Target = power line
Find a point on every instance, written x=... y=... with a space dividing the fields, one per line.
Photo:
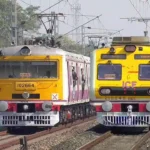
x=62 y=22
x=138 y=12
x=66 y=23
x=43 y=10
x=80 y=26
x=25 y=3
x=80 y=15
x=87 y=16
x=51 y=6
x=102 y=24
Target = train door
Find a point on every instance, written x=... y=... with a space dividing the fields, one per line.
x=88 y=78
x=81 y=78
x=85 y=88
x=73 y=81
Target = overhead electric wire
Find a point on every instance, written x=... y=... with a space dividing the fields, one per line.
x=80 y=15
x=80 y=26
x=62 y=22
x=26 y=3
x=79 y=12
x=51 y=6
x=117 y=32
x=138 y=13
x=43 y=10
x=66 y=23
x=87 y=16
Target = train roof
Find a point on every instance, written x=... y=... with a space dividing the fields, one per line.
x=137 y=40
x=37 y=50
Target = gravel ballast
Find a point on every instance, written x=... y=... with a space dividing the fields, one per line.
x=49 y=141
x=76 y=141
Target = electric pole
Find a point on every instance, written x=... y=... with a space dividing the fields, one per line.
x=76 y=8
x=14 y=22
x=145 y=20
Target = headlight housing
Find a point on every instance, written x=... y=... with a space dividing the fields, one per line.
x=3 y=106
x=47 y=106
x=107 y=106
x=105 y=91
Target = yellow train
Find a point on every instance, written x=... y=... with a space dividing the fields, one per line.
x=120 y=82
x=42 y=86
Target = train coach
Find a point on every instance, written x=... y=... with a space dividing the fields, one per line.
x=42 y=86
x=120 y=82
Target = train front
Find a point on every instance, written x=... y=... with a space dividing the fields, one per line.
x=120 y=82
x=30 y=83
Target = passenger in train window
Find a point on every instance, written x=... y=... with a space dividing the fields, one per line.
x=83 y=81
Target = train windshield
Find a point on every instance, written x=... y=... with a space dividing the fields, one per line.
x=109 y=72
x=144 y=72
x=34 y=69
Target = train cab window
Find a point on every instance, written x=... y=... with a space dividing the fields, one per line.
x=144 y=72
x=38 y=69
x=109 y=72
x=44 y=69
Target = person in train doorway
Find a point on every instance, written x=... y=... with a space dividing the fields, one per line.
x=75 y=78
x=83 y=81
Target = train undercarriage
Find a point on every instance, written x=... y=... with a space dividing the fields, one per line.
x=65 y=115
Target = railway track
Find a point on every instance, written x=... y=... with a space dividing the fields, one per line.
x=109 y=141
x=15 y=139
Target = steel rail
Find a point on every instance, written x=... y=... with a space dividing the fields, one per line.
x=96 y=141
x=46 y=132
x=141 y=141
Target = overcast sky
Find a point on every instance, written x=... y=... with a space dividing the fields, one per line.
x=111 y=10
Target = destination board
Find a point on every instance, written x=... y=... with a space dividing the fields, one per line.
x=115 y=56
x=142 y=56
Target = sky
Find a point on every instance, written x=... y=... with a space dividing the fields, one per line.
x=111 y=10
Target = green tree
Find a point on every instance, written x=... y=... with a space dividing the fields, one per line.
x=31 y=20
x=71 y=46
x=25 y=19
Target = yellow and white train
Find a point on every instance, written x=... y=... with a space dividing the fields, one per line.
x=120 y=82
x=42 y=86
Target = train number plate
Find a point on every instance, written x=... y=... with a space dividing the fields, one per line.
x=25 y=85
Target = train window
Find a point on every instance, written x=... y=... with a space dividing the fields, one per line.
x=109 y=72
x=144 y=72
x=28 y=69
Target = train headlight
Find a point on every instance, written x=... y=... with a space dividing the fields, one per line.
x=47 y=106
x=148 y=106
x=25 y=95
x=3 y=106
x=25 y=51
x=25 y=107
x=104 y=91
x=107 y=106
